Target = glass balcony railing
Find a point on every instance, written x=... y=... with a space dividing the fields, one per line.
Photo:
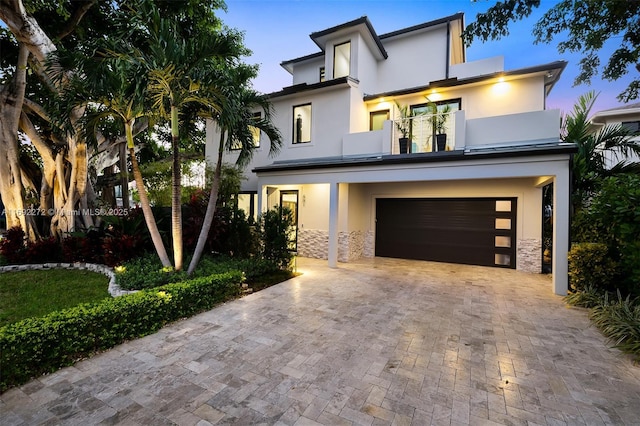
x=424 y=133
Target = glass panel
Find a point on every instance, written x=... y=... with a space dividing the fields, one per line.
x=502 y=241
x=322 y=74
x=341 y=59
x=503 y=223
x=503 y=259
x=503 y=205
x=302 y=124
x=289 y=200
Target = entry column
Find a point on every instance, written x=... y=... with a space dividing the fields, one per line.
x=334 y=196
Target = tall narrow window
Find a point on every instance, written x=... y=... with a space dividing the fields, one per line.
x=377 y=119
x=302 y=124
x=322 y=76
x=255 y=131
x=341 y=59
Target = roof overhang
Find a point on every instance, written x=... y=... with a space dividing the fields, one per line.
x=362 y=26
x=550 y=71
x=297 y=89
x=470 y=155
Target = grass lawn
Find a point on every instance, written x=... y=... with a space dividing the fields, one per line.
x=35 y=293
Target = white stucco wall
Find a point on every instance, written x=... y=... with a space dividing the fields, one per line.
x=413 y=61
x=308 y=71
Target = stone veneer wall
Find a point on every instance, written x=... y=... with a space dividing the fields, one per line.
x=350 y=246
x=313 y=243
x=369 y=249
x=529 y=255
x=114 y=288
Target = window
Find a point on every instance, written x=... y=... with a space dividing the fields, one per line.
x=322 y=76
x=341 y=59
x=632 y=126
x=236 y=145
x=377 y=118
x=302 y=123
x=248 y=202
x=256 y=131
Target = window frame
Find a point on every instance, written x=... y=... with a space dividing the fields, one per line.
x=294 y=131
x=379 y=112
x=335 y=48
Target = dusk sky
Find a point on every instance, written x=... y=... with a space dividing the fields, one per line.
x=278 y=30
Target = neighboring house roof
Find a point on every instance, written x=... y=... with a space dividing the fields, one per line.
x=553 y=71
x=630 y=111
x=366 y=29
x=431 y=157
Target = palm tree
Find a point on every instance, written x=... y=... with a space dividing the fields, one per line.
x=236 y=121
x=181 y=73
x=115 y=87
x=590 y=162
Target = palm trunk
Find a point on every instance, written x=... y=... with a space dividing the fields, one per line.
x=211 y=210
x=176 y=193
x=144 y=200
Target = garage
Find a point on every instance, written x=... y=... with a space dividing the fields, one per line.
x=474 y=231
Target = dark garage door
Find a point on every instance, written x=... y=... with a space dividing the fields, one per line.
x=475 y=231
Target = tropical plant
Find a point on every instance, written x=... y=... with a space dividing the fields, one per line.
x=594 y=148
x=236 y=120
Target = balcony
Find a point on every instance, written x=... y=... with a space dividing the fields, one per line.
x=424 y=133
x=503 y=131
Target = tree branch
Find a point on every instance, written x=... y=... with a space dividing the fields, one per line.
x=76 y=18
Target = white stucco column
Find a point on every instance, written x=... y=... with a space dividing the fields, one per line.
x=561 y=201
x=334 y=196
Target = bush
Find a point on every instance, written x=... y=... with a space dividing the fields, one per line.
x=613 y=218
x=82 y=247
x=591 y=266
x=276 y=228
x=37 y=346
x=619 y=320
x=144 y=272
x=12 y=245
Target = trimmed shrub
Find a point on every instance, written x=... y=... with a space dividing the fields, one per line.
x=276 y=229
x=591 y=266
x=37 y=346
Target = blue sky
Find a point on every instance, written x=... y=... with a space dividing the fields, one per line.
x=278 y=30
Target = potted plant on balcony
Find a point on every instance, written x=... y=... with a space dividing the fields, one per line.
x=403 y=124
x=439 y=123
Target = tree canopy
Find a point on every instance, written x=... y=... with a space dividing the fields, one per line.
x=582 y=27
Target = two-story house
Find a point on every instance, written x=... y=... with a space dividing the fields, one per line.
x=367 y=171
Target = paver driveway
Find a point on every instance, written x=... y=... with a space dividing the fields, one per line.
x=374 y=342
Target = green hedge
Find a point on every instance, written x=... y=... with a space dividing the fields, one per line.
x=592 y=266
x=36 y=346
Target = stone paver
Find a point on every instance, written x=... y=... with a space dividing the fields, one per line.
x=375 y=342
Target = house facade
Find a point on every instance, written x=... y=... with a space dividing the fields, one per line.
x=367 y=171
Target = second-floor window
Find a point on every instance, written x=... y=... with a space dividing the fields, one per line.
x=377 y=119
x=341 y=59
x=302 y=123
x=322 y=76
x=256 y=131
